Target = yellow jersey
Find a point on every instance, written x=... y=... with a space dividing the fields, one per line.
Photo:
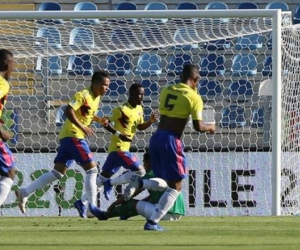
x=4 y=89
x=180 y=101
x=85 y=105
x=126 y=119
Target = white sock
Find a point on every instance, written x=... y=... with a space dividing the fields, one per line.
x=91 y=186
x=155 y=184
x=42 y=182
x=165 y=203
x=99 y=181
x=145 y=209
x=125 y=178
x=5 y=186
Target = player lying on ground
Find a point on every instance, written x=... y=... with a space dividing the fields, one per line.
x=126 y=209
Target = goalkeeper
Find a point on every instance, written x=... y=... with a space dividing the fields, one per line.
x=126 y=209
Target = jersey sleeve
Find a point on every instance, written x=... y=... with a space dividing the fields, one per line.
x=196 y=108
x=116 y=114
x=77 y=101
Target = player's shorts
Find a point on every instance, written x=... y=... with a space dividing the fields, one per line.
x=73 y=149
x=117 y=159
x=7 y=161
x=167 y=157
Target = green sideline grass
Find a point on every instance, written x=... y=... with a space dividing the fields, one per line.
x=189 y=233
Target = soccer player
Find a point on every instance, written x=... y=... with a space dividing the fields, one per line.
x=177 y=103
x=7 y=163
x=80 y=112
x=126 y=209
x=127 y=118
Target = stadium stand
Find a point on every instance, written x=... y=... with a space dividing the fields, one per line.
x=85 y=6
x=156 y=6
x=118 y=64
x=80 y=65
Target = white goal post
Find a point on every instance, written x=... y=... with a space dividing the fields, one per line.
x=237 y=171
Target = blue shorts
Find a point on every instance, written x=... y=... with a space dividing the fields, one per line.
x=116 y=160
x=7 y=161
x=167 y=157
x=73 y=149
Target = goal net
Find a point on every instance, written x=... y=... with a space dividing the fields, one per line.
x=230 y=172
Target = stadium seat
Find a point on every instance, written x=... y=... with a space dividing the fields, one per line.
x=212 y=65
x=151 y=88
x=116 y=88
x=118 y=64
x=60 y=116
x=154 y=37
x=247 y=5
x=50 y=6
x=267 y=66
x=221 y=44
x=277 y=5
x=48 y=37
x=177 y=62
x=217 y=6
x=257 y=118
x=186 y=6
x=233 y=117
x=52 y=64
x=244 y=65
x=209 y=89
x=156 y=6
x=125 y=6
x=149 y=64
x=249 y=42
x=239 y=91
x=296 y=18
x=187 y=37
x=82 y=37
x=122 y=38
x=85 y=6
x=80 y=65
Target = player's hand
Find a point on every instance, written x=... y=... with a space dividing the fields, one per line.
x=212 y=129
x=154 y=116
x=125 y=138
x=88 y=131
x=5 y=135
x=103 y=121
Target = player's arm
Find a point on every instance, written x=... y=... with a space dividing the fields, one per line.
x=5 y=135
x=200 y=126
x=70 y=114
x=196 y=113
x=147 y=124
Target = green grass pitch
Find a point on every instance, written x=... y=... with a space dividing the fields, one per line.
x=189 y=233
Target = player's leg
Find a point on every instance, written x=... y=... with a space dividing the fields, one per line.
x=130 y=162
x=61 y=162
x=125 y=210
x=7 y=172
x=136 y=183
x=171 y=167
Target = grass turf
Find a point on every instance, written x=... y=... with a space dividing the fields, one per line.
x=188 y=233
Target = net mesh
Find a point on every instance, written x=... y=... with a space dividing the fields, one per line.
x=230 y=171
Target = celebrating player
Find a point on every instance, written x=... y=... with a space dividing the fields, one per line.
x=73 y=145
x=177 y=103
x=7 y=163
x=127 y=118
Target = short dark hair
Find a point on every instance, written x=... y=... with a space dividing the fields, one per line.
x=189 y=71
x=134 y=87
x=99 y=76
x=4 y=53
